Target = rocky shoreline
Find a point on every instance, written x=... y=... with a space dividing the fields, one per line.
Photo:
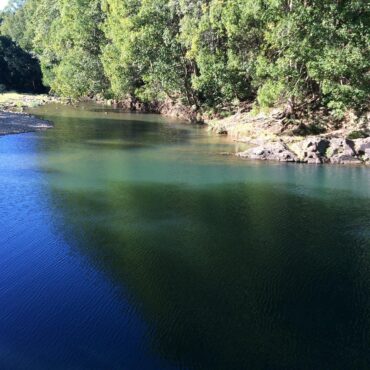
x=19 y=123
x=313 y=150
x=271 y=139
x=14 y=120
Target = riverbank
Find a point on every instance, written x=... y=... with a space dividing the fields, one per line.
x=14 y=120
x=314 y=138
x=19 y=123
x=167 y=108
x=318 y=142
x=269 y=136
x=18 y=103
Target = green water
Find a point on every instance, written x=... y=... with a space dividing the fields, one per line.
x=156 y=251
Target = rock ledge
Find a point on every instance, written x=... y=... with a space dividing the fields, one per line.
x=313 y=150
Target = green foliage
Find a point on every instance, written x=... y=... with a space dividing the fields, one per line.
x=66 y=37
x=77 y=75
x=145 y=57
x=316 y=50
x=208 y=54
x=357 y=135
x=221 y=39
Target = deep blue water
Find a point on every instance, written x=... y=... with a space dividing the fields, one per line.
x=129 y=242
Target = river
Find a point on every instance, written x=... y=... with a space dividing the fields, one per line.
x=129 y=241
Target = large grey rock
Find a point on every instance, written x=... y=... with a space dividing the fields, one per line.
x=341 y=146
x=313 y=158
x=311 y=150
x=362 y=147
x=275 y=151
x=314 y=150
x=342 y=151
x=344 y=159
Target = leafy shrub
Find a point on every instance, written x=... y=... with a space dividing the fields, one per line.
x=357 y=135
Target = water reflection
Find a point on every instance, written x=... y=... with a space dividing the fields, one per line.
x=230 y=265
x=233 y=276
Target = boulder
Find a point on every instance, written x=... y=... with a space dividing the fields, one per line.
x=221 y=130
x=313 y=158
x=275 y=151
x=362 y=146
x=342 y=151
x=311 y=150
x=344 y=159
x=341 y=146
x=366 y=156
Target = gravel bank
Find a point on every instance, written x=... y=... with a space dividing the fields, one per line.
x=16 y=123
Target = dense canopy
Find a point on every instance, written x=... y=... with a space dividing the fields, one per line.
x=207 y=54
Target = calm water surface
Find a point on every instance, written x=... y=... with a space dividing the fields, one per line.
x=129 y=242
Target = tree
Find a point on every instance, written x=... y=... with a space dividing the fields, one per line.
x=207 y=54
x=76 y=45
x=223 y=38
x=144 y=57
x=315 y=51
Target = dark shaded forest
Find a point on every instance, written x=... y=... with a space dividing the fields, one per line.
x=19 y=70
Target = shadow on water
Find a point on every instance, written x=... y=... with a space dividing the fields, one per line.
x=227 y=268
x=233 y=276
